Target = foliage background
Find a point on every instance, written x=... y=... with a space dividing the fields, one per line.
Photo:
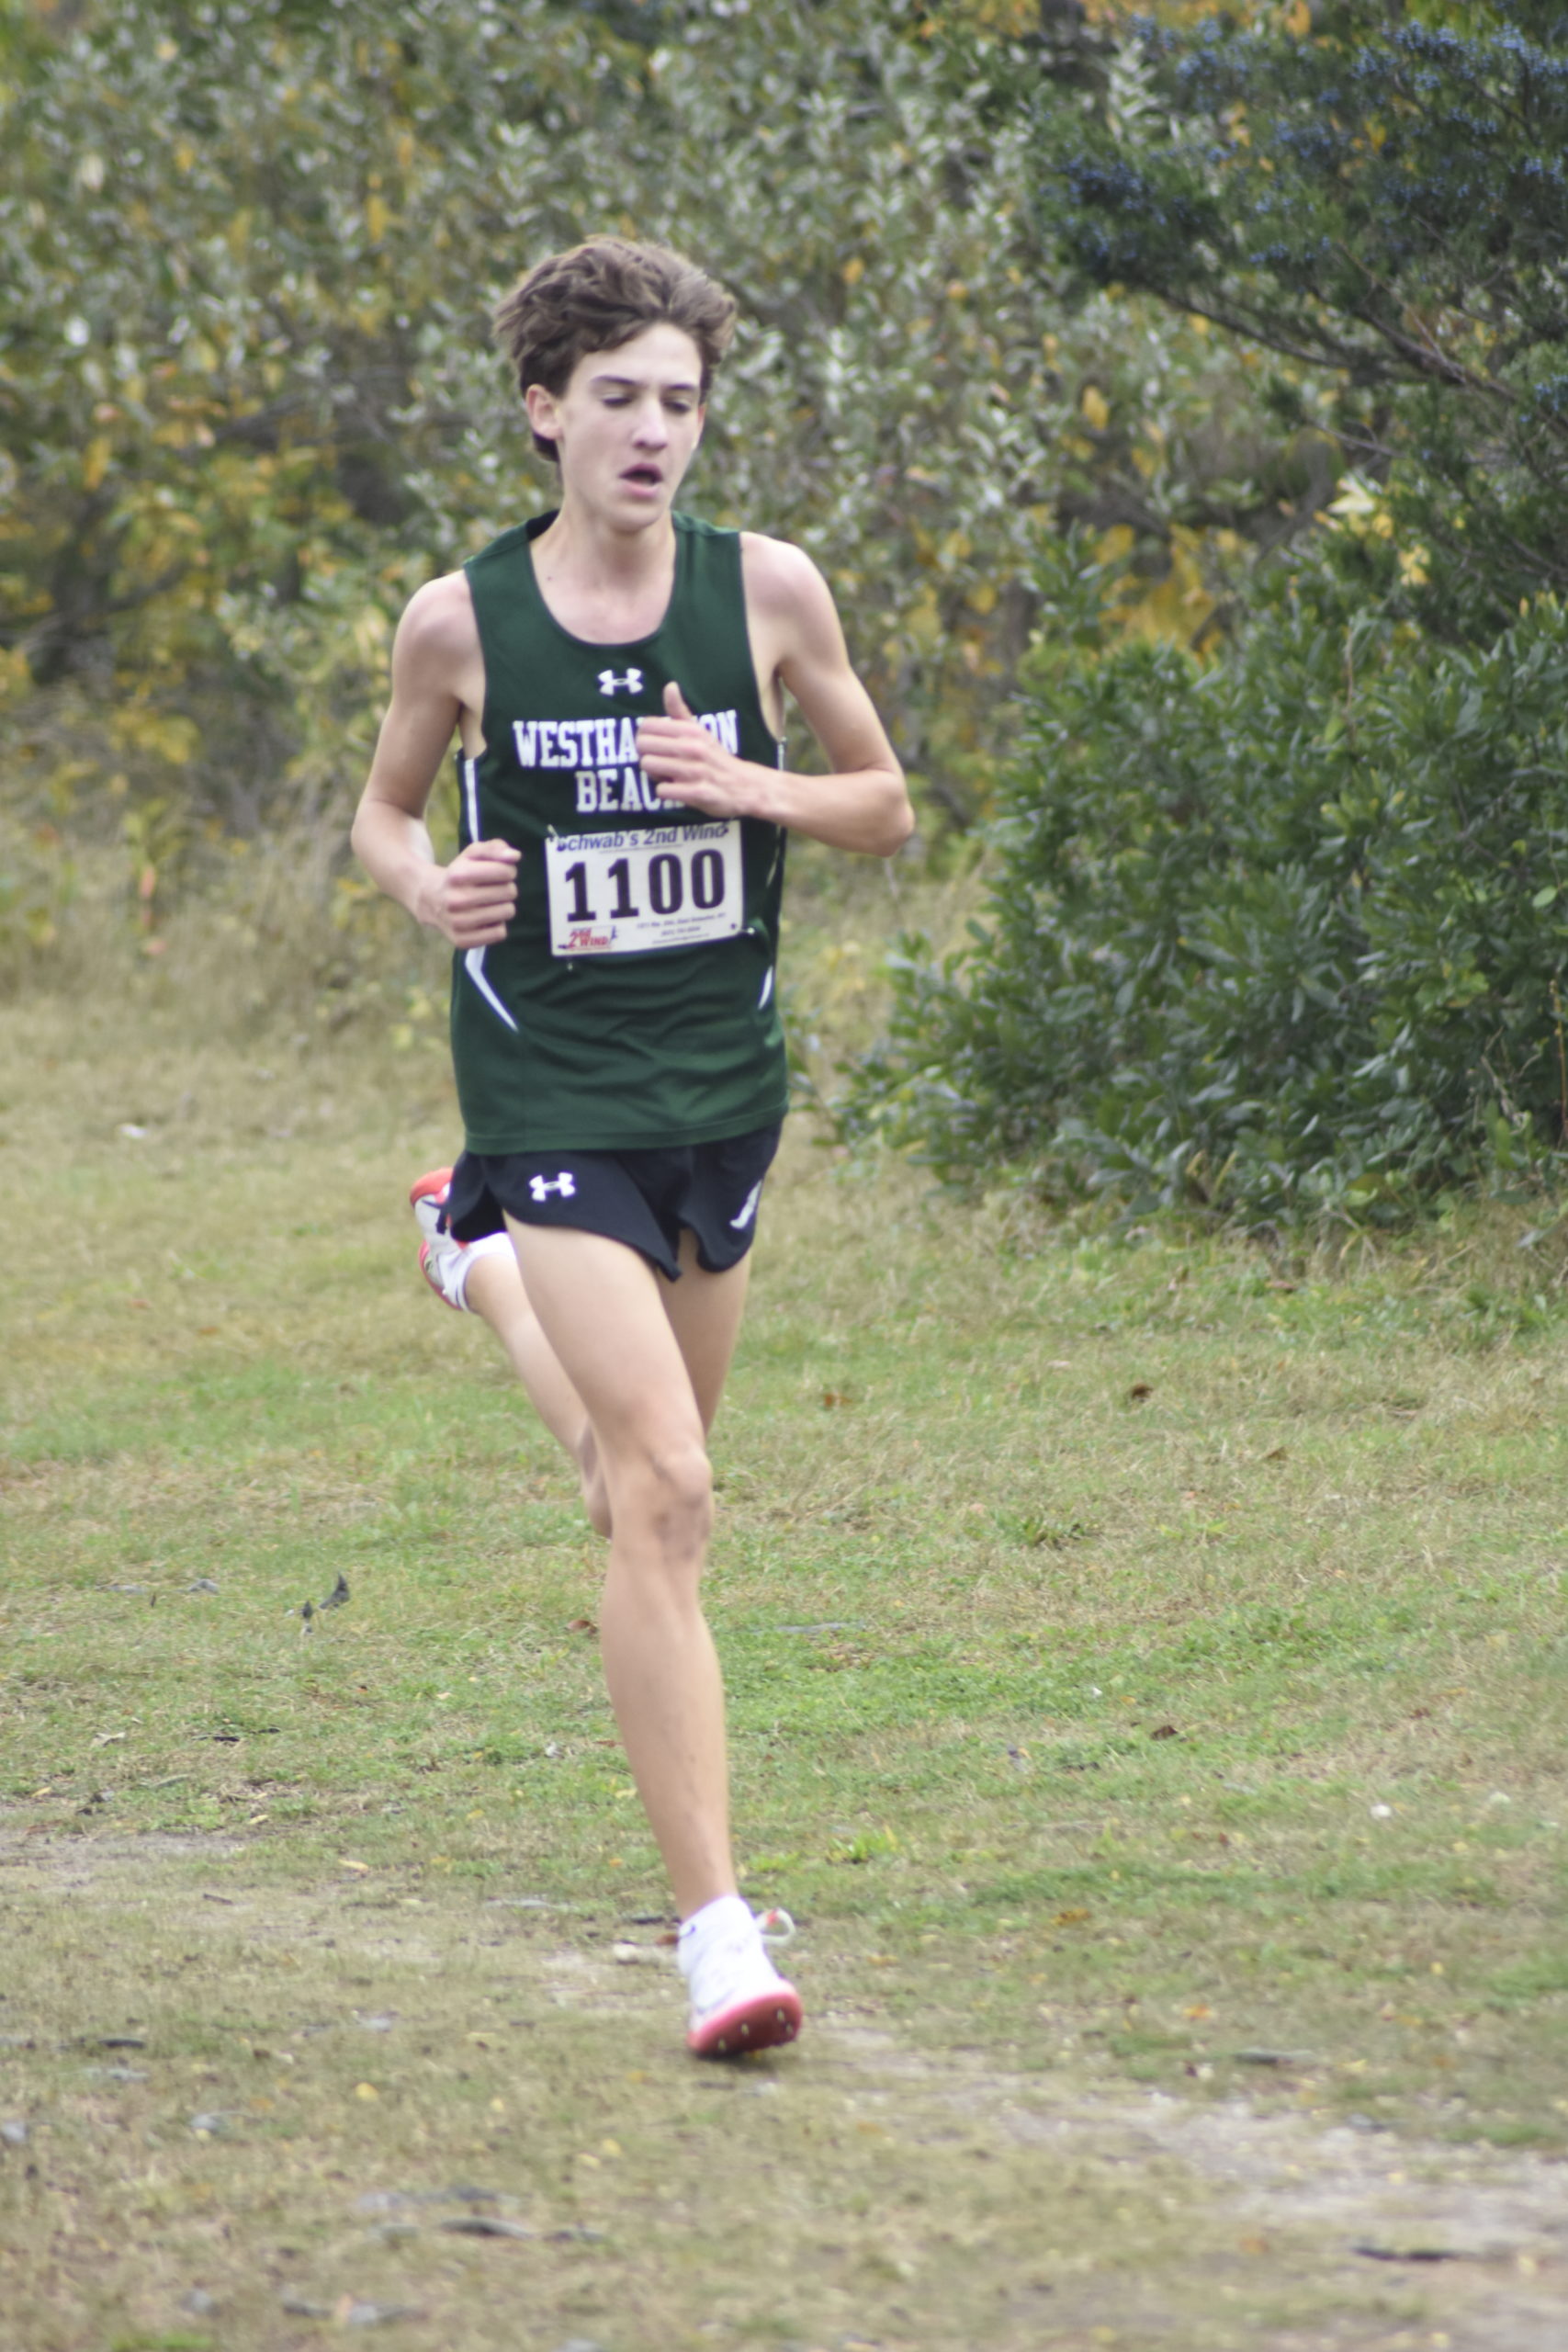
x=1175 y=404
x=249 y=401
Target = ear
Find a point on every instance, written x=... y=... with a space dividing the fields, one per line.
x=544 y=413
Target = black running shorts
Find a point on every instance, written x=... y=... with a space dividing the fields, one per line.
x=642 y=1198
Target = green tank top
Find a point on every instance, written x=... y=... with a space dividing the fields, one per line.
x=632 y=1002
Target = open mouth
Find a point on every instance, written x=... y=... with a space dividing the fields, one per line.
x=645 y=477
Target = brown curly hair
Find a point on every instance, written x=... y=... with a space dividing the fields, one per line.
x=599 y=296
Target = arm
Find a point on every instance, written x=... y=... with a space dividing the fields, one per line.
x=863 y=804
x=435 y=662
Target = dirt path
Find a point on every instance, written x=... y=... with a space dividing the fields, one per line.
x=250 y=2109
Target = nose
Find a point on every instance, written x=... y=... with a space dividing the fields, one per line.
x=652 y=430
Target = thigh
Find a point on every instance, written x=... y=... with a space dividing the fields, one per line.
x=599 y=1305
x=647 y=1356
x=705 y=1312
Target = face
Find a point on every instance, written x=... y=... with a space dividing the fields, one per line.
x=628 y=424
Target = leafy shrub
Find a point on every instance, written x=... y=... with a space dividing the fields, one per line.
x=1377 y=192
x=1280 y=935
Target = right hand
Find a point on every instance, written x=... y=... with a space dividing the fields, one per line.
x=471 y=902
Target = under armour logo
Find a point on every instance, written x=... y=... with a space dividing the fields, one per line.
x=543 y=1186
x=630 y=685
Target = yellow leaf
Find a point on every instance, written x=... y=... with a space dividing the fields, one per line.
x=854 y=270
x=163 y=733
x=925 y=621
x=375 y=218
x=365 y=2090
x=16 y=674
x=1298 y=20
x=1095 y=408
x=95 y=462
x=370 y=630
x=1355 y=500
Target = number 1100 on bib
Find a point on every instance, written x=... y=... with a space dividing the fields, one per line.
x=616 y=893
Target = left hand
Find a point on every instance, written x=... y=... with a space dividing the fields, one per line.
x=686 y=764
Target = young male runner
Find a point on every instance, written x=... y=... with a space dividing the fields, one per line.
x=616 y=673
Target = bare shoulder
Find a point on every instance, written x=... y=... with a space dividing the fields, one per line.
x=780 y=577
x=438 y=632
x=786 y=591
x=798 y=644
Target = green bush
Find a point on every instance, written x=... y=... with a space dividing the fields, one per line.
x=1280 y=935
x=1378 y=196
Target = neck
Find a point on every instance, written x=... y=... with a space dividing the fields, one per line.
x=593 y=556
x=606 y=586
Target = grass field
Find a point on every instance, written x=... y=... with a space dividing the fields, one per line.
x=1146 y=1661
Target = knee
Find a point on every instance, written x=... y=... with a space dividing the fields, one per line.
x=683 y=1485
x=671 y=1490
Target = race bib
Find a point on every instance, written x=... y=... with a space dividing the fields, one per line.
x=620 y=894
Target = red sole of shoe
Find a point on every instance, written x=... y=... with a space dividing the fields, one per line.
x=425 y=1269
x=762 y=2024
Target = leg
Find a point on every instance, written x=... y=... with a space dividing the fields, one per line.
x=705 y=1312
x=609 y=1320
x=483 y=1278
x=495 y=1289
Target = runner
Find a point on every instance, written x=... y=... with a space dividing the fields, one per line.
x=615 y=671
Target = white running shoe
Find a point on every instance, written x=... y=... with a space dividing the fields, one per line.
x=739 y=2002
x=443 y=1262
